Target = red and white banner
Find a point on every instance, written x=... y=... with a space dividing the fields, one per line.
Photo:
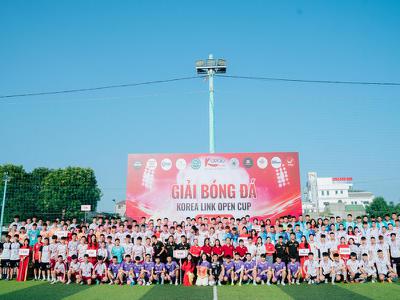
x=176 y=186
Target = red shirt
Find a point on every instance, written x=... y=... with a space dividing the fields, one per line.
x=36 y=250
x=270 y=249
x=195 y=250
x=217 y=250
x=228 y=250
x=241 y=250
x=206 y=249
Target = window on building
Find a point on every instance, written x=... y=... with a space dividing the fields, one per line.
x=341 y=191
x=322 y=193
x=327 y=193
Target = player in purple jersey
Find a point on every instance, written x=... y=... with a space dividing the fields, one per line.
x=147 y=271
x=279 y=270
x=113 y=271
x=203 y=271
x=137 y=271
x=226 y=275
x=171 y=271
x=158 y=274
x=293 y=271
x=126 y=271
x=238 y=268
x=249 y=270
x=264 y=272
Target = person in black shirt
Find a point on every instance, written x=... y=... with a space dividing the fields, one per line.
x=292 y=247
x=159 y=249
x=215 y=270
x=183 y=245
x=280 y=248
x=170 y=246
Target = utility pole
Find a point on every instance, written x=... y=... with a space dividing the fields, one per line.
x=209 y=67
x=6 y=178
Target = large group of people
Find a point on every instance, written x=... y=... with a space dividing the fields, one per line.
x=203 y=251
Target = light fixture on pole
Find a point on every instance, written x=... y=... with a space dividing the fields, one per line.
x=210 y=67
x=6 y=179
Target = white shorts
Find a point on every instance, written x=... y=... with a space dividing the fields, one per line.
x=202 y=281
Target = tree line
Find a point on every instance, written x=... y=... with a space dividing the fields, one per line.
x=48 y=193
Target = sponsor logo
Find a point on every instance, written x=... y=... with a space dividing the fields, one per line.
x=262 y=162
x=196 y=163
x=151 y=164
x=214 y=162
x=276 y=162
x=180 y=164
x=234 y=163
x=248 y=162
x=290 y=161
x=137 y=164
x=166 y=164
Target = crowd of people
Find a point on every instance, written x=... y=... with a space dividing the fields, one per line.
x=203 y=251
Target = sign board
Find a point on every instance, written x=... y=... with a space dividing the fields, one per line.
x=180 y=254
x=23 y=252
x=344 y=251
x=91 y=253
x=304 y=252
x=62 y=233
x=177 y=186
x=86 y=208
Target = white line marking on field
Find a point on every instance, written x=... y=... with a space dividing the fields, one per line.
x=215 y=295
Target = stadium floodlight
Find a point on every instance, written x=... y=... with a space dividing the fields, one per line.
x=210 y=67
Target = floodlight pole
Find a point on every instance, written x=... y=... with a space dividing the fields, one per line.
x=6 y=179
x=211 y=108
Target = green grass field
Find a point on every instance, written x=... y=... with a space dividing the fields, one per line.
x=39 y=290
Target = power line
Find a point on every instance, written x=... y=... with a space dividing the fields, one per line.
x=310 y=81
x=99 y=88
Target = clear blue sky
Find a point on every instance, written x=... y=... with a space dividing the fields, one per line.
x=339 y=130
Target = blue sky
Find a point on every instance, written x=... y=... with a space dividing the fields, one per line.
x=339 y=130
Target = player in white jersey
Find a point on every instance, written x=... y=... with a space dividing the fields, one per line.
x=339 y=269
x=44 y=259
x=5 y=257
x=73 y=270
x=60 y=270
x=311 y=269
x=100 y=271
x=127 y=245
x=138 y=249
x=385 y=271
x=353 y=268
x=82 y=247
x=62 y=248
x=72 y=247
x=85 y=271
x=14 y=256
x=326 y=269
x=367 y=268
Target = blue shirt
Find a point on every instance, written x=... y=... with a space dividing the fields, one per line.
x=118 y=251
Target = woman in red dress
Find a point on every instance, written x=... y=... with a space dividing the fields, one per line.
x=24 y=262
x=188 y=267
x=93 y=245
x=303 y=245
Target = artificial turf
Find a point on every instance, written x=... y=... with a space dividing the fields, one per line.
x=39 y=290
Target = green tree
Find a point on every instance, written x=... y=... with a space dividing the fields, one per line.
x=64 y=190
x=378 y=207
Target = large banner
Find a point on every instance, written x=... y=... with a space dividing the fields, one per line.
x=176 y=186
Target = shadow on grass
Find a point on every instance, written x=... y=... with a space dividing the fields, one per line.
x=172 y=292
x=322 y=291
x=44 y=291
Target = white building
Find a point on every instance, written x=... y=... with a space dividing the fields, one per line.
x=322 y=192
x=120 y=208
